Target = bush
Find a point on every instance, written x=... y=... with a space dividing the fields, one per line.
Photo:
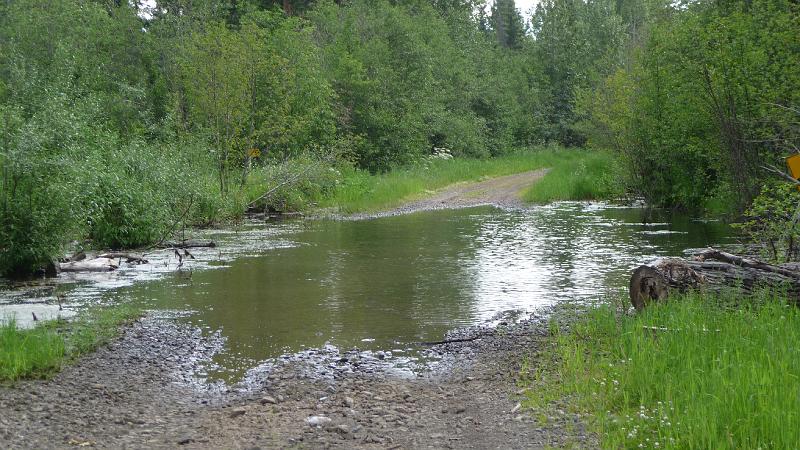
x=773 y=222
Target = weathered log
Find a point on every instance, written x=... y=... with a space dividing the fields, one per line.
x=129 y=258
x=712 y=271
x=91 y=265
x=189 y=244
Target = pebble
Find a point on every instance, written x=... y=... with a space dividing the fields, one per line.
x=238 y=412
x=349 y=402
x=267 y=399
x=318 y=421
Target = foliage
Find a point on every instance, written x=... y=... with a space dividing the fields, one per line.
x=122 y=127
x=773 y=222
x=705 y=99
x=577 y=175
x=691 y=373
x=358 y=191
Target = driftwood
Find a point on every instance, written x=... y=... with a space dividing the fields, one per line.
x=90 y=265
x=130 y=259
x=710 y=270
x=189 y=244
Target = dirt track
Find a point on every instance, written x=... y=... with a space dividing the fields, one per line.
x=503 y=192
x=142 y=391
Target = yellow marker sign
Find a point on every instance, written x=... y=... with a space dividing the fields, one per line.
x=254 y=153
x=793 y=162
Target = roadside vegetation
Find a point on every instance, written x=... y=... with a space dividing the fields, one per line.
x=695 y=372
x=42 y=351
x=578 y=175
x=121 y=124
x=360 y=191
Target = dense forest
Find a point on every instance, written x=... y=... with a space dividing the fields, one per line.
x=120 y=121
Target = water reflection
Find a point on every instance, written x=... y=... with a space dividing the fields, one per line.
x=387 y=282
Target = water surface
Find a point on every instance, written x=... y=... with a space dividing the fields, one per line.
x=389 y=282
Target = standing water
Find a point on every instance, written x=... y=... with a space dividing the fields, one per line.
x=383 y=283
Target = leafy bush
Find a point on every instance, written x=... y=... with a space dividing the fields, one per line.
x=773 y=222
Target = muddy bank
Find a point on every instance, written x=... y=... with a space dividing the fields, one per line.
x=146 y=390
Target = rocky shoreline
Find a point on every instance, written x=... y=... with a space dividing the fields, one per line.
x=145 y=391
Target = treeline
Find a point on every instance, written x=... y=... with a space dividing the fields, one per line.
x=705 y=99
x=120 y=124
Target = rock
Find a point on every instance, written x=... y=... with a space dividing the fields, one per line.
x=51 y=269
x=280 y=398
x=343 y=429
x=318 y=421
x=349 y=402
x=268 y=400
x=238 y=412
x=185 y=440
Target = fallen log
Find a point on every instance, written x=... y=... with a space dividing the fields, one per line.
x=130 y=259
x=90 y=265
x=710 y=270
x=189 y=244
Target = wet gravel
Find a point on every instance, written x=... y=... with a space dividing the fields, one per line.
x=147 y=389
x=144 y=391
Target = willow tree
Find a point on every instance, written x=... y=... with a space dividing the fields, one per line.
x=218 y=90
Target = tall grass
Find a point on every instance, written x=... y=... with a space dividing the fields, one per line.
x=361 y=192
x=586 y=175
x=42 y=351
x=691 y=373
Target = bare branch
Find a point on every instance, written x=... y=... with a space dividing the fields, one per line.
x=780 y=173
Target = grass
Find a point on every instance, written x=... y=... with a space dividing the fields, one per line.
x=712 y=376
x=586 y=175
x=42 y=351
x=361 y=192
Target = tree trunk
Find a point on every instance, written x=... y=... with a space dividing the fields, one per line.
x=712 y=271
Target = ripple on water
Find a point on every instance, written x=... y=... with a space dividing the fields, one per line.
x=375 y=285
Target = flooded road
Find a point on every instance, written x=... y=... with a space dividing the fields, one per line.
x=387 y=283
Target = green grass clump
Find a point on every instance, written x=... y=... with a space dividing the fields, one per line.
x=29 y=353
x=691 y=373
x=361 y=192
x=43 y=350
x=585 y=175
